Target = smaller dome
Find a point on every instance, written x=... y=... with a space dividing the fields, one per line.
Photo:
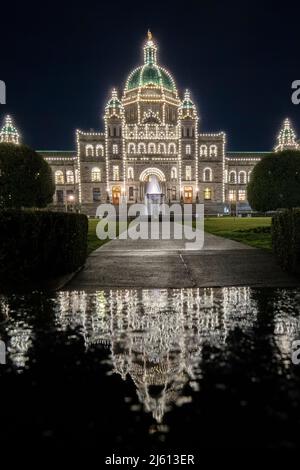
x=8 y=132
x=187 y=107
x=114 y=106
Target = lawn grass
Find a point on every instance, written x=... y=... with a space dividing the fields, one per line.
x=253 y=231
x=248 y=230
x=93 y=241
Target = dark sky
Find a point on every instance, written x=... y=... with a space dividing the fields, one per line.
x=60 y=61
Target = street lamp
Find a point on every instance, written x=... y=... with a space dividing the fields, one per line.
x=70 y=199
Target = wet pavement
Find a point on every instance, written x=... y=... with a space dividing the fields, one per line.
x=169 y=264
x=133 y=371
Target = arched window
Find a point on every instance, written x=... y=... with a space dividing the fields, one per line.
x=115 y=149
x=207 y=194
x=70 y=176
x=99 y=151
x=232 y=177
x=249 y=175
x=116 y=175
x=59 y=177
x=188 y=173
x=130 y=173
x=207 y=174
x=188 y=150
x=174 y=173
x=141 y=148
x=203 y=150
x=242 y=177
x=151 y=148
x=213 y=151
x=161 y=148
x=131 y=148
x=96 y=174
x=89 y=150
x=172 y=148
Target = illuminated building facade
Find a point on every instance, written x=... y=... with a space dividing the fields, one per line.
x=152 y=147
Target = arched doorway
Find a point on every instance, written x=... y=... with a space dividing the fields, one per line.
x=152 y=185
x=116 y=194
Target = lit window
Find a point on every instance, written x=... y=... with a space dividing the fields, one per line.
x=142 y=148
x=207 y=174
x=99 y=151
x=173 y=173
x=226 y=176
x=172 y=148
x=207 y=194
x=151 y=148
x=242 y=177
x=232 y=195
x=115 y=149
x=188 y=173
x=188 y=150
x=130 y=173
x=70 y=177
x=96 y=174
x=162 y=148
x=232 y=177
x=203 y=150
x=59 y=177
x=76 y=175
x=213 y=151
x=89 y=150
x=131 y=148
x=242 y=195
x=116 y=172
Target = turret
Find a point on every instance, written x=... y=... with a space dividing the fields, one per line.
x=286 y=138
x=8 y=132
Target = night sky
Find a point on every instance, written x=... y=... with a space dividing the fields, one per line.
x=60 y=62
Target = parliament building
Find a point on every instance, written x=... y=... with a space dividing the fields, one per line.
x=151 y=147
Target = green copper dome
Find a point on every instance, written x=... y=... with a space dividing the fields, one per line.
x=150 y=73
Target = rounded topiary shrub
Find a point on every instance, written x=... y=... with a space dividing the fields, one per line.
x=40 y=245
x=275 y=182
x=25 y=177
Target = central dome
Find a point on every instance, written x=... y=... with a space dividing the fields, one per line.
x=150 y=74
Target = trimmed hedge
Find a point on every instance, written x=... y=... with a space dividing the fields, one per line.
x=286 y=239
x=40 y=245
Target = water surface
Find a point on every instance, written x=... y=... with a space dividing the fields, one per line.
x=135 y=370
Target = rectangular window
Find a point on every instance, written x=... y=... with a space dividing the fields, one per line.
x=131 y=193
x=188 y=173
x=59 y=196
x=188 y=150
x=116 y=173
x=115 y=149
x=174 y=193
x=96 y=194
x=232 y=195
x=242 y=195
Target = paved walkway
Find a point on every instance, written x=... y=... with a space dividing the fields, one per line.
x=166 y=263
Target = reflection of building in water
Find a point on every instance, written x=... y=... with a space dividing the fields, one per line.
x=287 y=323
x=156 y=336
